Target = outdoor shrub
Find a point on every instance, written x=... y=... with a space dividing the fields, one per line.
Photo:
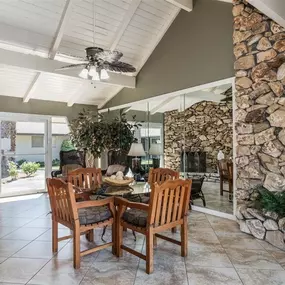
x=55 y=162
x=41 y=163
x=30 y=168
x=13 y=172
x=270 y=201
x=21 y=161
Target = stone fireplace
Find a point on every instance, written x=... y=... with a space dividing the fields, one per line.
x=206 y=128
x=259 y=48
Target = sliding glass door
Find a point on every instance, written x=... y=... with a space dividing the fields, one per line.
x=25 y=153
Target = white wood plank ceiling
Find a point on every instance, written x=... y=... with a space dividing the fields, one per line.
x=62 y=29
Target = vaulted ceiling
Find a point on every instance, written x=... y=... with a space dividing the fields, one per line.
x=38 y=36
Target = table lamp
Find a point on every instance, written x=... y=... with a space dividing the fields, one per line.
x=136 y=151
x=156 y=150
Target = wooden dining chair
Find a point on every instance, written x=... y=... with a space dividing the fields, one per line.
x=224 y=175
x=230 y=167
x=168 y=208
x=80 y=217
x=160 y=175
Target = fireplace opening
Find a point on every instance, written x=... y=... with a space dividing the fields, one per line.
x=194 y=161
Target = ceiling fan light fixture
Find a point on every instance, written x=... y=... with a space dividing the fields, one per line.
x=104 y=74
x=84 y=73
x=96 y=76
x=92 y=71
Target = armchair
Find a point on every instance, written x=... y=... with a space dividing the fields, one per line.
x=167 y=209
x=80 y=217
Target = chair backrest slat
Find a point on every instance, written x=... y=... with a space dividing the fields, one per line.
x=169 y=202
x=88 y=178
x=62 y=200
x=160 y=175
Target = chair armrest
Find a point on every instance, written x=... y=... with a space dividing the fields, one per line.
x=133 y=205
x=95 y=203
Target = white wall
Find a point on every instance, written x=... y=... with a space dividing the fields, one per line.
x=24 y=149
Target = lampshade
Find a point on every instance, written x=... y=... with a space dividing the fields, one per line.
x=84 y=73
x=156 y=149
x=136 y=150
x=104 y=74
x=96 y=76
x=92 y=71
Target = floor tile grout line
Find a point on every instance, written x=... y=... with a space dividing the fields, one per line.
x=139 y=263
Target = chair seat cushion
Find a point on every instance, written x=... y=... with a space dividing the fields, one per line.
x=93 y=215
x=135 y=217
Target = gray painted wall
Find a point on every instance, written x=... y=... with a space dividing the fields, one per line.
x=40 y=107
x=196 y=49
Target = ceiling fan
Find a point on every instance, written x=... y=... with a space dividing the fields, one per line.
x=98 y=62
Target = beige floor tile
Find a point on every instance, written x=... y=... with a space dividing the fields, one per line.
x=10 y=247
x=212 y=276
x=110 y=273
x=15 y=222
x=25 y=234
x=6 y=230
x=20 y=270
x=262 y=277
x=37 y=249
x=47 y=235
x=58 y=272
x=279 y=256
x=253 y=259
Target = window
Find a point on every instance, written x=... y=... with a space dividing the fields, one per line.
x=37 y=141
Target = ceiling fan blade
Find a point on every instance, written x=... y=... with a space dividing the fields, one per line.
x=71 y=66
x=119 y=66
x=110 y=56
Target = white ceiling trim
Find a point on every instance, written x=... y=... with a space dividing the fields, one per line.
x=46 y=65
x=160 y=105
x=127 y=18
x=186 y=5
x=60 y=30
x=31 y=88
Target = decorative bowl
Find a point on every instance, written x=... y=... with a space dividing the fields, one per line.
x=116 y=182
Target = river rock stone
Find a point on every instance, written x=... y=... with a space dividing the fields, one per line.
x=266 y=55
x=243 y=227
x=238 y=9
x=254 y=39
x=243 y=82
x=275 y=28
x=277 y=119
x=271 y=149
x=277 y=87
x=245 y=214
x=270 y=225
x=271 y=215
x=272 y=108
x=256 y=213
x=241 y=36
x=260 y=88
x=274 y=182
x=281 y=72
x=243 y=128
x=255 y=116
x=281 y=225
x=264 y=44
x=267 y=99
x=281 y=136
x=275 y=238
x=262 y=72
x=260 y=28
x=280 y=45
x=241 y=73
x=244 y=62
x=240 y=49
x=265 y=136
x=245 y=139
x=257 y=128
x=256 y=228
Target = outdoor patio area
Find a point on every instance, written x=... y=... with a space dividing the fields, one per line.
x=218 y=253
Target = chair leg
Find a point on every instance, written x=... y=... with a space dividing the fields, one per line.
x=90 y=236
x=76 y=248
x=154 y=241
x=54 y=236
x=184 y=238
x=114 y=238
x=119 y=234
x=149 y=251
x=221 y=186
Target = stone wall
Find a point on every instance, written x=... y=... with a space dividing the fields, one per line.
x=207 y=127
x=259 y=48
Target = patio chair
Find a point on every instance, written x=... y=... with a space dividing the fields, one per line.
x=168 y=208
x=224 y=175
x=85 y=181
x=160 y=175
x=80 y=217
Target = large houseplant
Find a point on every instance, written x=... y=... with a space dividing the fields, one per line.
x=95 y=133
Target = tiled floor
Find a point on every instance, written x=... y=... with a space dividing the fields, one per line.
x=218 y=254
